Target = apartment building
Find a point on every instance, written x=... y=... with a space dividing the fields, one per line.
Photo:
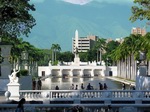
x=84 y=43
x=138 y=30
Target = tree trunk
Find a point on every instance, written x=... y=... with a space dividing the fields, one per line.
x=100 y=56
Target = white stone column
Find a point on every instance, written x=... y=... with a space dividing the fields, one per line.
x=141 y=77
x=92 y=72
x=71 y=72
x=60 y=72
x=81 y=72
x=14 y=88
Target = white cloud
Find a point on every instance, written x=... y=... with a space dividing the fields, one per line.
x=83 y=2
x=79 y=2
x=37 y=1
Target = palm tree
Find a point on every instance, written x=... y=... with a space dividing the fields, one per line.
x=100 y=46
x=55 y=48
x=127 y=52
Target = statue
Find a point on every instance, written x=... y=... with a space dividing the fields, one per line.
x=76 y=50
x=13 y=77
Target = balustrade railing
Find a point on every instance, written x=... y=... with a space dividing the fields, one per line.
x=89 y=100
x=52 y=95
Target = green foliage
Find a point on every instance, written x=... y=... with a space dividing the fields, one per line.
x=23 y=73
x=18 y=46
x=55 y=63
x=55 y=49
x=110 y=46
x=131 y=47
x=140 y=11
x=83 y=56
x=15 y=18
x=45 y=57
x=66 y=56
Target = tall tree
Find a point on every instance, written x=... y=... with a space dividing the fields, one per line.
x=140 y=11
x=55 y=48
x=100 y=46
x=15 y=19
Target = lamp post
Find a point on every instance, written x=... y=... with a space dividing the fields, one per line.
x=141 y=71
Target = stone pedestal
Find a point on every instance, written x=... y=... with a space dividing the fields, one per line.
x=77 y=61
x=142 y=81
x=14 y=88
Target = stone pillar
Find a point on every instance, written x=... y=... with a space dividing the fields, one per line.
x=71 y=73
x=60 y=72
x=5 y=65
x=92 y=73
x=141 y=74
x=82 y=73
x=14 y=88
x=108 y=96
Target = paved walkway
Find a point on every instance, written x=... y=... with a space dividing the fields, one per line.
x=2 y=96
x=122 y=80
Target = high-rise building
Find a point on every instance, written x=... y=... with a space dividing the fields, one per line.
x=138 y=30
x=84 y=43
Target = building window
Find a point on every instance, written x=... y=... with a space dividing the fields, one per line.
x=43 y=73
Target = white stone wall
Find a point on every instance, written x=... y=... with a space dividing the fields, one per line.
x=101 y=70
x=44 y=68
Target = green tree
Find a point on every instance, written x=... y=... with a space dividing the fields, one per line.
x=55 y=49
x=100 y=47
x=66 y=56
x=15 y=19
x=126 y=53
x=140 y=11
x=110 y=46
x=83 y=56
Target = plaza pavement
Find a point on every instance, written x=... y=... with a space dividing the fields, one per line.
x=128 y=82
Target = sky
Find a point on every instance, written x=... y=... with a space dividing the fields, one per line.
x=57 y=21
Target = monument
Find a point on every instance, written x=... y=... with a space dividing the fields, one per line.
x=76 y=52
x=13 y=85
x=13 y=77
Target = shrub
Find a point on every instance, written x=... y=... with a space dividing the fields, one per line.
x=22 y=73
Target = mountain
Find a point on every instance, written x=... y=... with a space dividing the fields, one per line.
x=57 y=22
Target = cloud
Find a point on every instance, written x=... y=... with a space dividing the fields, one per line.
x=83 y=2
x=79 y=2
x=37 y=1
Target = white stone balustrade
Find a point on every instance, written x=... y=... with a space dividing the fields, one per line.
x=84 y=95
